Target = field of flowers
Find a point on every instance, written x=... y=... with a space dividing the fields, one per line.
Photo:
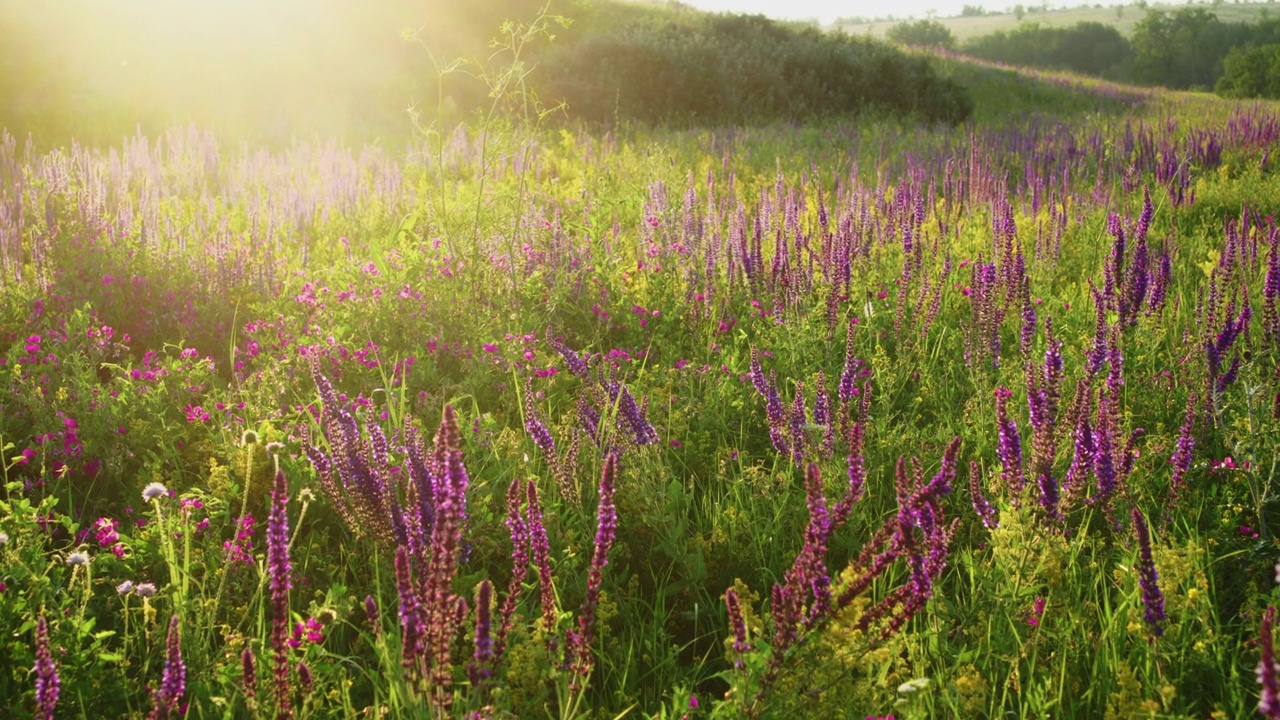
x=844 y=421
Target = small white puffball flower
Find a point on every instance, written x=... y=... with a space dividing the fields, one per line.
x=154 y=491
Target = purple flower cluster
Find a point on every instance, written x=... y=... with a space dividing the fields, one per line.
x=1269 y=697
x=46 y=673
x=578 y=641
x=738 y=623
x=918 y=535
x=982 y=335
x=1009 y=446
x=981 y=506
x=173 y=683
x=480 y=668
x=1181 y=458
x=279 y=572
x=1148 y=578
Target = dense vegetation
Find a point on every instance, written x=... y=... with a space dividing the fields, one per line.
x=1186 y=49
x=1089 y=48
x=833 y=419
x=727 y=69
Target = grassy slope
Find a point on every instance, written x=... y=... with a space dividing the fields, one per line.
x=1122 y=17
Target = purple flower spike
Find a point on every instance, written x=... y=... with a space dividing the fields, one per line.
x=1181 y=459
x=46 y=673
x=248 y=671
x=1269 y=698
x=981 y=506
x=173 y=684
x=739 y=625
x=280 y=574
x=410 y=612
x=479 y=669
x=1009 y=446
x=606 y=526
x=1148 y=578
x=540 y=549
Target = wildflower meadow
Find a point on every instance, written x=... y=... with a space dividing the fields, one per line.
x=851 y=418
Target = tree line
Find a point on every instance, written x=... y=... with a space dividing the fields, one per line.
x=1190 y=49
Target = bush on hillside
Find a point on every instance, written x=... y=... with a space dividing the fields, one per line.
x=922 y=33
x=1090 y=48
x=1251 y=73
x=739 y=68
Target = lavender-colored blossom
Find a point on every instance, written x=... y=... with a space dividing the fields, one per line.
x=572 y=361
x=797 y=419
x=279 y=572
x=540 y=549
x=541 y=436
x=758 y=380
x=777 y=416
x=1103 y=459
x=479 y=670
x=857 y=475
x=1269 y=696
x=852 y=368
x=606 y=527
x=1181 y=458
x=1097 y=356
x=1028 y=334
x=305 y=681
x=1049 y=496
x=411 y=631
x=589 y=418
x=371 y=614
x=1148 y=578
x=248 y=671
x=154 y=491
x=47 y=683
x=739 y=625
x=1008 y=445
x=519 y=530
x=440 y=604
x=173 y=683
x=981 y=506
x=822 y=416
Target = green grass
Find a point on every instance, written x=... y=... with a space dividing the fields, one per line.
x=247 y=280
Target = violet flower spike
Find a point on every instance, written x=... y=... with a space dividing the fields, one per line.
x=606 y=527
x=1148 y=578
x=279 y=572
x=248 y=671
x=173 y=684
x=1269 y=697
x=479 y=669
x=739 y=625
x=540 y=549
x=981 y=506
x=46 y=671
x=1181 y=458
x=410 y=611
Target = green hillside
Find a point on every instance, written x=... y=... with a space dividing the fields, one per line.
x=1122 y=17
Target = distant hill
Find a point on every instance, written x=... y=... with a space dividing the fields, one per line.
x=1121 y=17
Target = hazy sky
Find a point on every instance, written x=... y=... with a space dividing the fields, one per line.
x=828 y=10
